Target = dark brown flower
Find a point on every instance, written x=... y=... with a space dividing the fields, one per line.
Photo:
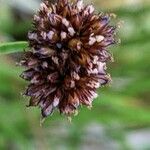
x=66 y=63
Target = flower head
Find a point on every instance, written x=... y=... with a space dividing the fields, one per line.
x=66 y=62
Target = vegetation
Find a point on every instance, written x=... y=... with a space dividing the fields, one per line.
x=120 y=108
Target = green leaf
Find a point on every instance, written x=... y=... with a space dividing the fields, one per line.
x=12 y=47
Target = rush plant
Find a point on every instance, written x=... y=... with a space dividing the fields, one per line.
x=65 y=56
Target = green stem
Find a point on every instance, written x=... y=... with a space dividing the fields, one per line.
x=12 y=47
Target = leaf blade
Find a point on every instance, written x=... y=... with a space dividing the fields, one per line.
x=12 y=47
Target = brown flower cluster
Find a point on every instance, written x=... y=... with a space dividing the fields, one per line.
x=66 y=62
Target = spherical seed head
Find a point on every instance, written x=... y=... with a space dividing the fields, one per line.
x=66 y=62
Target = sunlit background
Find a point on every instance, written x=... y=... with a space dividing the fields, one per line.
x=120 y=117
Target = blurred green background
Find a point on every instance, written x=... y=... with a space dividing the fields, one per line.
x=120 y=117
